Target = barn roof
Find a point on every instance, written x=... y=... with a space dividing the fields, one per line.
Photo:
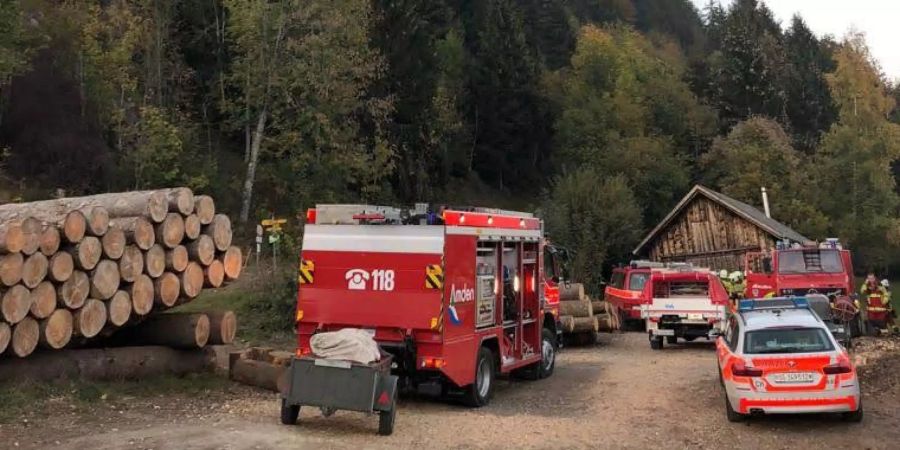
x=775 y=228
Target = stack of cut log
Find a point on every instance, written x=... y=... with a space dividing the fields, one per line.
x=80 y=268
x=582 y=317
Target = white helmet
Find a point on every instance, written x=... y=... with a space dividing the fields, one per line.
x=736 y=276
x=723 y=274
x=885 y=283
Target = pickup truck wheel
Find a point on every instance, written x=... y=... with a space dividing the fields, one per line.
x=731 y=414
x=289 y=413
x=386 y=418
x=671 y=340
x=478 y=394
x=656 y=343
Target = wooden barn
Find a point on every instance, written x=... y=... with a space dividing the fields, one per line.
x=710 y=229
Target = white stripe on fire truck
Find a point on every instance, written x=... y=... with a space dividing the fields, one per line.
x=375 y=238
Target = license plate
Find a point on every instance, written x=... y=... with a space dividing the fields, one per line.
x=695 y=316
x=664 y=332
x=794 y=377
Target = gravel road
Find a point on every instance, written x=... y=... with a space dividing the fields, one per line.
x=616 y=394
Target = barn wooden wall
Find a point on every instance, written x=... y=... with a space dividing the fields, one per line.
x=708 y=235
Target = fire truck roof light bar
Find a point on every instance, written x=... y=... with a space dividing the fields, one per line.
x=773 y=303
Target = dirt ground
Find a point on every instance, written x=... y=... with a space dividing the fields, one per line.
x=616 y=394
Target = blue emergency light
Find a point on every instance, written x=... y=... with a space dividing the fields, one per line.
x=773 y=303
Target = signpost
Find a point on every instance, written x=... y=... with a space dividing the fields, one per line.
x=273 y=227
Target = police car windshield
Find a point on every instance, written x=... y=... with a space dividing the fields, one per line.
x=810 y=261
x=787 y=340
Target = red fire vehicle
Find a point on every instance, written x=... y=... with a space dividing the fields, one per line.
x=457 y=296
x=625 y=286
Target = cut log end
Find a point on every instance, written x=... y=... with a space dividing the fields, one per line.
x=61 y=267
x=43 y=300
x=204 y=208
x=157 y=206
x=232 y=262
x=12 y=239
x=50 y=240
x=90 y=319
x=25 y=337
x=56 y=331
x=34 y=270
x=73 y=293
x=32 y=229
x=220 y=230
x=87 y=253
x=181 y=200
x=222 y=327
x=105 y=280
x=177 y=259
x=192 y=280
x=97 y=220
x=141 y=292
x=113 y=243
x=15 y=304
x=170 y=232
x=11 y=268
x=192 y=226
x=119 y=308
x=5 y=336
x=155 y=261
x=131 y=265
x=203 y=250
x=166 y=289
x=214 y=274
x=74 y=227
x=138 y=231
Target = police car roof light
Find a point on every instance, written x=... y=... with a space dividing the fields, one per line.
x=773 y=303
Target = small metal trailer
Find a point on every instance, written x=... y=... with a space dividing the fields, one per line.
x=335 y=385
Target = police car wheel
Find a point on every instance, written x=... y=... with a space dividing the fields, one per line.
x=656 y=343
x=854 y=416
x=731 y=414
x=289 y=413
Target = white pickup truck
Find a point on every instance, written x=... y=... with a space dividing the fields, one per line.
x=686 y=303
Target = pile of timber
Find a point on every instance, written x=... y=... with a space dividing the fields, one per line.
x=581 y=318
x=77 y=269
x=261 y=367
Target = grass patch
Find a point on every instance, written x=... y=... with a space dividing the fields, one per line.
x=18 y=400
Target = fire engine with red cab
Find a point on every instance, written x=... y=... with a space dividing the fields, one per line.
x=625 y=287
x=457 y=296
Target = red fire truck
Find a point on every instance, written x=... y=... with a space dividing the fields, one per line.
x=457 y=296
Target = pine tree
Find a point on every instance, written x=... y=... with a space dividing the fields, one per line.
x=809 y=108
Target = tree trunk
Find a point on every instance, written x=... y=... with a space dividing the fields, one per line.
x=131 y=265
x=119 y=308
x=43 y=300
x=247 y=196
x=25 y=337
x=192 y=226
x=177 y=259
x=12 y=239
x=15 y=304
x=173 y=330
x=155 y=261
x=150 y=204
x=138 y=231
x=166 y=289
x=203 y=250
x=5 y=336
x=232 y=263
x=192 y=280
x=214 y=274
x=220 y=231
x=86 y=254
x=113 y=243
x=105 y=280
x=170 y=232
x=61 y=267
x=222 y=327
x=50 y=240
x=56 y=331
x=34 y=270
x=11 y=268
x=90 y=319
x=204 y=208
x=141 y=293
x=74 y=292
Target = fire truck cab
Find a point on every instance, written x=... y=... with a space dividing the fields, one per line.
x=625 y=286
x=796 y=270
x=456 y=295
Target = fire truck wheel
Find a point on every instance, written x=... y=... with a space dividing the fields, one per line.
x=386 y=419
x=548 y=352
x=656 y=343
x=671 y=340
x=478 y=394
x=289 y=413
x=731 y=414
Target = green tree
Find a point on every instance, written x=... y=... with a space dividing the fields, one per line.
x=595 y=218
x=809 y=108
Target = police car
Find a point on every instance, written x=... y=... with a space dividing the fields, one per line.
x=777 y=356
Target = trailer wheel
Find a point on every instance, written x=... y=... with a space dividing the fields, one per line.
x=289 y=413
x=656 y=343
x=478 y=394
x=386 y=418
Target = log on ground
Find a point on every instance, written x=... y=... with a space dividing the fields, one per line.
x=138 y=231
x=34 y=270
x=113 y=243
x=177 y=259
x=56 y=330
x=43 y=300
x=214 y=274
x=131 y=265
x=260 y=374
x=192 y=280
x=87 y=253
x=202 y=250
x=567 y=323
x=60 y=267
x=605 y=322
x=166 y=289
x=119 y=309
x=12 y=239
x=50 y=240
x=571 y=291
x=90 y=319
x=15 y=304
x=222 y=327
x=601 y=306
x=192 y=226
x=220 y=231
x=575 y=308
x=74 y=291
x=155 y=261
x=173 y=330
x=11 y=268
x=105 y=280
x=141 y=293
x=232 y=263
x=25 y=336
x=170 y=232
x=5 y=336
x=584 y=324
x=204 y=208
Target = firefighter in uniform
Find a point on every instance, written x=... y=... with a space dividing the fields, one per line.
x=892 y=314
x=737 y=285
x=871 y=287
x=726 y=283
